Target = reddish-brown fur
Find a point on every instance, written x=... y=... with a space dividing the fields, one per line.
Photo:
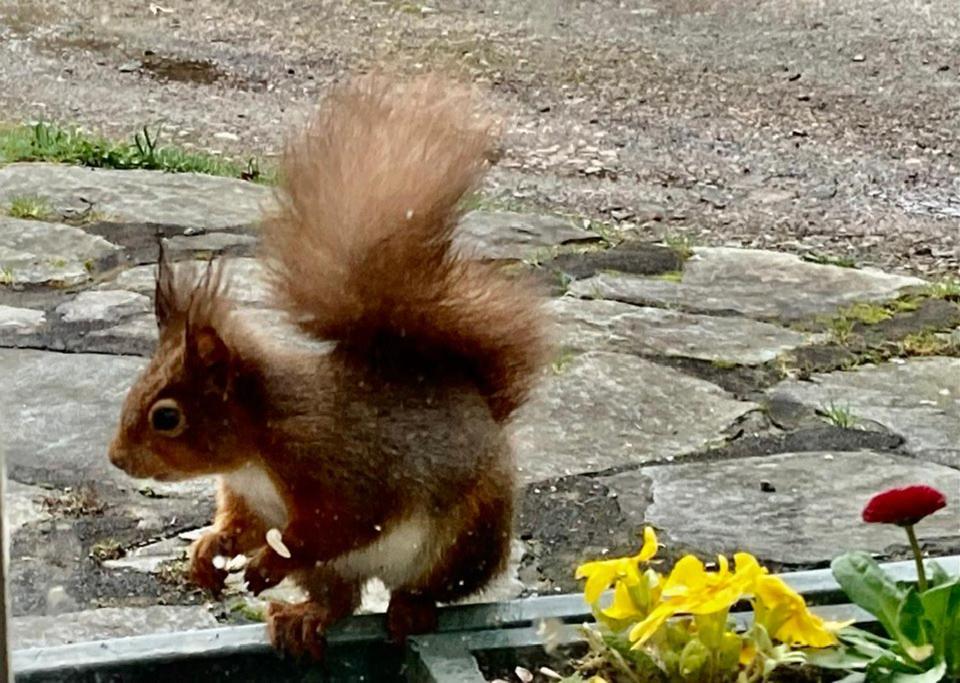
x=399 y=430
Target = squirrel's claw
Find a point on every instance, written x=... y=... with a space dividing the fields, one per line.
x=265 y=570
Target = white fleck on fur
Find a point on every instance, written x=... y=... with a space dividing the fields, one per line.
x=398 y=556
x=257 y=489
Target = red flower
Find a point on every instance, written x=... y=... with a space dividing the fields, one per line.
x=905 y=506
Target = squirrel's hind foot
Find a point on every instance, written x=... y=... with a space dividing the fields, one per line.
x=299 y=630
x=410 y=614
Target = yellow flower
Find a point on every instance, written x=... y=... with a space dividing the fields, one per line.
x=784 y=614
x=600 y=575
x=691 y=589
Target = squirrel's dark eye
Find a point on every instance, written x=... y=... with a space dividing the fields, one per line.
x=167 y=418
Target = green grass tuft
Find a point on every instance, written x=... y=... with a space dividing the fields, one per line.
x=681 y=245
x=47 y=142
x=562 y=361
x=925 y=343
x=671 y=276
x=945 y=289
x=840 y=416
x=29 y=207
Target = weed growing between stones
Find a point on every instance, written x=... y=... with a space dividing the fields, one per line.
x=562 y=361
x=108 y=549
x=681 y=245
x=926 y=343
x=839 y=416
x=71 y=502
x=29 y=207
x=945 y=289
x=672 y=276
x=47 y=142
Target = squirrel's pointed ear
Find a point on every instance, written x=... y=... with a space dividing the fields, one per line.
x=164 y=300
x=210 y=357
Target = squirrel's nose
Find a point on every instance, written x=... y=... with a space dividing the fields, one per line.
x=118 y=455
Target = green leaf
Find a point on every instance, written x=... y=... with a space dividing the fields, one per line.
x=933 y=675
x=942 y=616
x=938 y=575
x=867 y=585
x=838 y=658
x=693 y=658
x=910 y=621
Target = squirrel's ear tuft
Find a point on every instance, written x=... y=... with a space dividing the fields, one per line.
x=165 y=303
x=207 y=350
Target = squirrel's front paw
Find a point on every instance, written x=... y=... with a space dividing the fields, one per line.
x=266 y=569
x=203 y=572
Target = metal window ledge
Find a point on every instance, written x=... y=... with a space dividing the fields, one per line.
x=358 y=649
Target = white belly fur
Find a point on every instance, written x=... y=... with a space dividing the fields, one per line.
x=260 y=494
x=403 y=552
x=398 y=556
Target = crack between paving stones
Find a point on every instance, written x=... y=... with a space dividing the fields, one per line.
x=724 y=453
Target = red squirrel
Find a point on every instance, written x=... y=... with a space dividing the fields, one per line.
x=386 y=456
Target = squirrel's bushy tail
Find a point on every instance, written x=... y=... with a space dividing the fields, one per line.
x=360 y=248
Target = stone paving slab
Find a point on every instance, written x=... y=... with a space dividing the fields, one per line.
x=22 y=506
x=811 y=513
x=37 y=252
x=918 y=398
x=106 y=306
x=182 y=199
x=107 y=622
x=603 y=410
x=616 y=326
x=755 y=283
x=20 y=320
x=60 y=413
x=510 y=235
x=245 y=276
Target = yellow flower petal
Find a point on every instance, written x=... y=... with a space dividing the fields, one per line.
x=649 y=548
x=600 y=576
x=622 y=606
x=642 y=632
x=687 y=573
x=773 y=591
x=805 y=628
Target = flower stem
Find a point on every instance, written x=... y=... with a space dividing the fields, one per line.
x=918 y=557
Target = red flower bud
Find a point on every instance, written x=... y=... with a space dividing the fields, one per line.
x=904 y=506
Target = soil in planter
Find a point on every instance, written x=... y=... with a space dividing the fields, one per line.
x=502 y=664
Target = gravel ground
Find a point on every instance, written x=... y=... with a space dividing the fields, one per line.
x=808 y=126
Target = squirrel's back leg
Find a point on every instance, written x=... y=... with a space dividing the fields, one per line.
x=300 y=628
x=478 y=553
